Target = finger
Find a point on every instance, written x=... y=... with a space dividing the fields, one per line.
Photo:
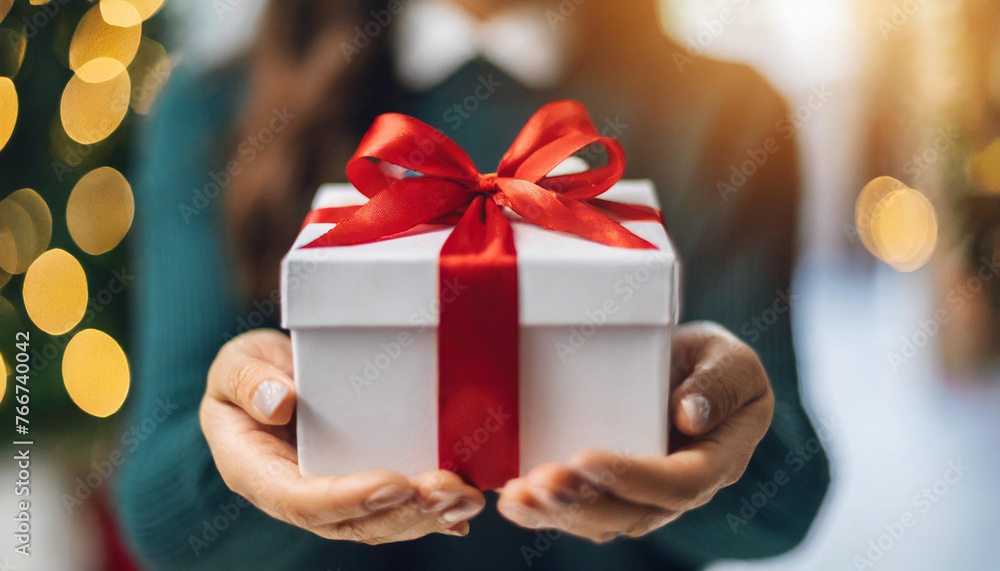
x=444 y=494
x=678 y=482
x=554 y=496
x=720 y=375
x=262 y=468
x=253 y=372
x=441 y=503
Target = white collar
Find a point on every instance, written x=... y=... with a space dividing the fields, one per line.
x=434 y=38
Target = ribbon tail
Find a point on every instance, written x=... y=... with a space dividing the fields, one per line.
x=556 y=212
x=628 y=212
x=478 y=420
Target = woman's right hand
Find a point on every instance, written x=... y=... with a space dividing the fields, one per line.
x=245 y=415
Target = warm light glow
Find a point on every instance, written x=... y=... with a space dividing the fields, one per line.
x=15 y=43
x=8 y=110
x=5 y=8
x=55 y=292
x=95 y=38
x=3 y=380
x=149 y=72
x=95 y=372
x=4 y=278
x=119 y=13
x=99 y=211
x=905 y=230
x=984 y=168
x=25 y=230
x=896 y=223
x=144 y=9
x=92 y=111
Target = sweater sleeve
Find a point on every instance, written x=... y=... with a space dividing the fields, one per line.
x=174 y=507
x=737 y=267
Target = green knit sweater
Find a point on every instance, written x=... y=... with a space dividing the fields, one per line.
x=735 y=240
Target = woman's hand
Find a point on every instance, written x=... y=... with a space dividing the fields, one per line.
x=721 y=405
x=245 y=416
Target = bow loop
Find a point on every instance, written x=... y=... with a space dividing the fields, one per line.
x=448 y=182
x=409 y=145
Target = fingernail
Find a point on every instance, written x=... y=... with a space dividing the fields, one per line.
x=560 y=498
x=611 y=536
x=268 y=396
x=460 y=529
x=464 y=510
x=439 y=500
x=387 y=496
x=697 y=408
x=591 y=474
x=527 y=517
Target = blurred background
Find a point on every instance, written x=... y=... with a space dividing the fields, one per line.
x=896 y=108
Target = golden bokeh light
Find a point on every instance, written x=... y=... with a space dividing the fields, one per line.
x=25 y=230
x=896 y=223
x=4 y=278
x=55 y=292
x=5 y=8
x=95 y=38
x=120 y=13
x=905 y=230
x=149 y=72
x=8 y=110
x=115 y=14
x=95 y=372
x=99 y=211
x=3 y=380
x=15 y=44
x=984 y=168
x=92 y=111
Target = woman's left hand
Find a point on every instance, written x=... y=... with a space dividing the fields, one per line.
x=721 y=406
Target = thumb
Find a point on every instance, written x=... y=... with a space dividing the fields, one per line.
x=241 y=376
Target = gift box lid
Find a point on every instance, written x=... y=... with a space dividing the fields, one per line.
x=563 y=279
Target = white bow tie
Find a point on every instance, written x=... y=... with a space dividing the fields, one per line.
x=435 y=38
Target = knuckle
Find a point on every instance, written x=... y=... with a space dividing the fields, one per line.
x=241 y=382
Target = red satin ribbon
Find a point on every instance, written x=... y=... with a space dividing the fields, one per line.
x=478 y=330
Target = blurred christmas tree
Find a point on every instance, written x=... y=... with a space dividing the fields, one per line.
x=76 y=78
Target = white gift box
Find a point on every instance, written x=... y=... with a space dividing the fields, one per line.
x=594 y=343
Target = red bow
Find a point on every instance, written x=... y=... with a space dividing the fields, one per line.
x=478 y=329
